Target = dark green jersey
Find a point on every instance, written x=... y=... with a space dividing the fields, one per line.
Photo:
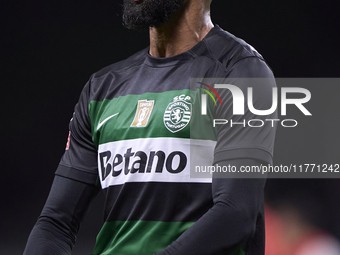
x=132 y=132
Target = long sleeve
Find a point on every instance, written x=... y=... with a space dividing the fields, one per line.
x=57 y=226
x=230 y=222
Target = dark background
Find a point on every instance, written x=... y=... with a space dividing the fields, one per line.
x=50 y=48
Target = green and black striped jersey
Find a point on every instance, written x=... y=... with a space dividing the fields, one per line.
x=132 y=132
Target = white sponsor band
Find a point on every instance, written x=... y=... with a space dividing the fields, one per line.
x=162 y=159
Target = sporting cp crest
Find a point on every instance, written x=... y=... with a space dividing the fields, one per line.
x=177 y=115
x=143 y=112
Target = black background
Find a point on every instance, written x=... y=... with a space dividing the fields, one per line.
x=49 y=49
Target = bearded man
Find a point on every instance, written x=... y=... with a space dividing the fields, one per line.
x=130 y=136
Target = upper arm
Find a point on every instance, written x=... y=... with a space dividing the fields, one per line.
x=239 y=138
x=79 y=161
x=74 y=186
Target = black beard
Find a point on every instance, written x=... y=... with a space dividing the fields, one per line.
x=149 y=13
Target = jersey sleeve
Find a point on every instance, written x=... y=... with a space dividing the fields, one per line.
x=79 y=161
x=229 y=226
x=246 y=135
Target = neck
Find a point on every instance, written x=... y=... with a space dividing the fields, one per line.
x=183 y=31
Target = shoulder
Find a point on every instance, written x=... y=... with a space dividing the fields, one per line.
x=108 y=77
x=134 y=60
x=232 y=51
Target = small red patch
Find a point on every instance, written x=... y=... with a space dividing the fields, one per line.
x=68 y=141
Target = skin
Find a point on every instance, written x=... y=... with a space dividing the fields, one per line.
x=183 y=31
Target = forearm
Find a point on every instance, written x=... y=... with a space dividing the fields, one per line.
x=229 y=223
x=217 y=232
x=45 y=238
x=56 y=229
